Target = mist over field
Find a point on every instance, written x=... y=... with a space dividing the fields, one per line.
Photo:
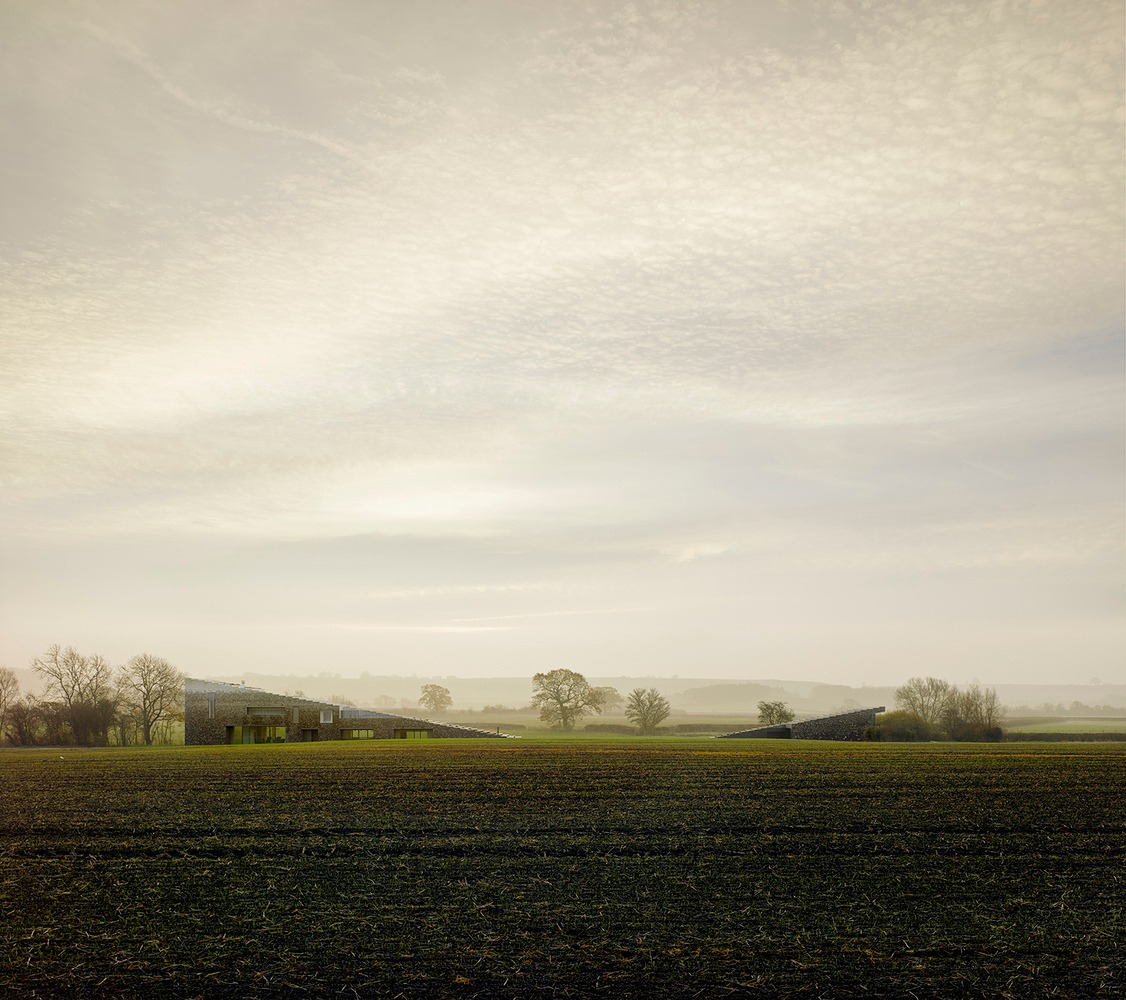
x=685 y=695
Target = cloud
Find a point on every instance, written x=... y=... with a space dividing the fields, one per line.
x=558 y=614
x=456 y=590
x=460 y=629
x=569 y=291
x=216 y=110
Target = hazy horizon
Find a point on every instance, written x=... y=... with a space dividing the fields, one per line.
x=709 y=339
x=687 y=695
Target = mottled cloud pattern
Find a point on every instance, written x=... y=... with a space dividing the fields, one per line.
x=738 y=339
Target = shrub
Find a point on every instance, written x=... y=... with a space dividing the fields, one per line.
x=902 y=727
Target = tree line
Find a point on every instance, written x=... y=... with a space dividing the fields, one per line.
x=87 y=701
x=565 y=697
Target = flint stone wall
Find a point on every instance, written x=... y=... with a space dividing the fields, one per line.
x=842 y=726
x=300 y=718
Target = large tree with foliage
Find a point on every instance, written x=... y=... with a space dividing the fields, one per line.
x=152 y=691
x=435 y=698
x=563 y=697
x=647 y=709
x=773 y=713
x=611 y=698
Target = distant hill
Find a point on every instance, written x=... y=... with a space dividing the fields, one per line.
x=734 y=696
x=802 y=697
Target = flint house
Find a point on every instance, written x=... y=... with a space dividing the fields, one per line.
x=215 y=712
x=842 y=726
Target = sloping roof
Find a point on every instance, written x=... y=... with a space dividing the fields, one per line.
x=349 y=713
x=197 y=686
x=786 y=730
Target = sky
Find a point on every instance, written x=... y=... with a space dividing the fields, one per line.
x=719 y=339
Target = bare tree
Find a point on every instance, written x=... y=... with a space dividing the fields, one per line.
x=647 y=709
x=25 y=722
x=128 y=726
x=9 y=692
x=563 y=697
x=970 y=714
x=52 y=723
x=83 y=687
x=72 y=677
x=153 y=691
x=973 y=714
x=992 y=711
x=435 y=698
x=925 y=696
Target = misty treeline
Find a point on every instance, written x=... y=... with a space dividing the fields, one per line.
x=930 y=708
x=1075 y=708
x=87 y=701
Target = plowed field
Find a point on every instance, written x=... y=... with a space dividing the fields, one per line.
x=514 y=869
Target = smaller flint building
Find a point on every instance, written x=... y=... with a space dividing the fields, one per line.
x=216 y=713
x=842 y=726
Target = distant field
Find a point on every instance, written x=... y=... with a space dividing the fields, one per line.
x=1072 y=726
x=530 y=724
x=521 y=868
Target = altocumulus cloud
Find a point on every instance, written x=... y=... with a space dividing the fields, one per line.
x=681 y=308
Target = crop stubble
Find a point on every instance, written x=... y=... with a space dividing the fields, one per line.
x=473 y=868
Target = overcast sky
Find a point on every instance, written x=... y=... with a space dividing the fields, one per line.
x=723 y=339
